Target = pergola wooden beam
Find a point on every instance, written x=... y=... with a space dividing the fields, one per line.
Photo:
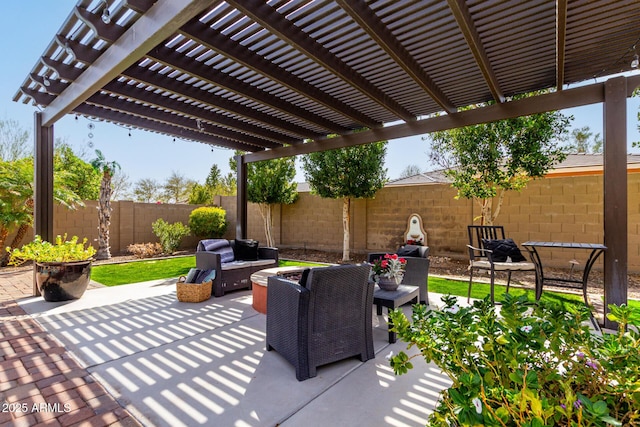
x=200 y=71
x=583 y=95
x=462 y=15
x=360 y=12
x=561 y=36
x=272 y=20
x=160 y=22
x=218 y=42
x=181 y=89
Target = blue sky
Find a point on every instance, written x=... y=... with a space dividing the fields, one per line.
x=27 y=27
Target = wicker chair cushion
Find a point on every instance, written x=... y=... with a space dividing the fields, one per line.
x=503 y=266
x=503 y=249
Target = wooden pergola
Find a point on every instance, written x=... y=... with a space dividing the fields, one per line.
x=276 y=78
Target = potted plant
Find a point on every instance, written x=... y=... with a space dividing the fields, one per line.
x=388 y=271
x=62 y=269
x=533 y=364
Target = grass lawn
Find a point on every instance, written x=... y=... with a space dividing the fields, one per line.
x=481 y=290
x=142 y=271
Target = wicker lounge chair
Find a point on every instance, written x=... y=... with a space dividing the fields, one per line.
x=326 y=320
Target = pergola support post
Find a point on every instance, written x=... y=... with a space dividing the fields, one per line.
x=43 y=183
x=241 y=198
x=615 y=194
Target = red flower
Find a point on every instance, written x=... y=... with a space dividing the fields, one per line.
x=394 y=256
x=402 y=261
x=384 y=264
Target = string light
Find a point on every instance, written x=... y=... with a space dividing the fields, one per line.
x=199 y=124
x=106 y=16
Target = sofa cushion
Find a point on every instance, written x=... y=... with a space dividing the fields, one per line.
x=210 y=245
x=226 y=254
x=503 y=249
x=262 y=262
x=234 y=265
x=246 y=249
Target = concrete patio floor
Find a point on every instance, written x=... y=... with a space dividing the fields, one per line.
x=169 y=363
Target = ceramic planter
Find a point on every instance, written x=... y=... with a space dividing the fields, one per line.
x=62 y=281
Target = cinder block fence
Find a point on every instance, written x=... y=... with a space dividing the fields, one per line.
x=560 y=209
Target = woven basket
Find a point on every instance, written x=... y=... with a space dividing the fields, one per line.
x=193 y=292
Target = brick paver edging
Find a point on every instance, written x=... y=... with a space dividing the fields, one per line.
x=40 y=383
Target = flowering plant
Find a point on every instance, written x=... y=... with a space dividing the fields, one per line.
x=390 y=265
x=533 y=365
x=415 y=242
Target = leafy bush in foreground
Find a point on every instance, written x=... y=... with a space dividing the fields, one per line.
x=533 y=365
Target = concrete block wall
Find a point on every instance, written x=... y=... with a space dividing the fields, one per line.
x=555 y=209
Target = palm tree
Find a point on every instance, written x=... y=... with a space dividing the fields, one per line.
x=104 y=203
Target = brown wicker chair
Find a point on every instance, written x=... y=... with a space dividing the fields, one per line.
x=326 y=320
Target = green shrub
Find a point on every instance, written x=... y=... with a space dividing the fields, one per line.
x=534 y=364
x=208 y=222
x=62 y=250
x=170 y=235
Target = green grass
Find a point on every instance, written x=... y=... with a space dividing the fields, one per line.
x=142 y=271
x=480 y=290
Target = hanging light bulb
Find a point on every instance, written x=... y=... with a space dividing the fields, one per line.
x=106 y=16
x=45 y=81
x=635 y=61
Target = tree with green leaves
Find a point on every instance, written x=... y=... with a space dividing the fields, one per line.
x=177 y=188
x=80 y=177
x=107 y=169
x=410 y=170
x=487 y=160
x=270 y=183
x=14 y=141
x=16 y=198
x=347 y=173
x=147 y=190
x=585 y=142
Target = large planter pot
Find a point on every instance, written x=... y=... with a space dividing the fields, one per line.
x=62 y=281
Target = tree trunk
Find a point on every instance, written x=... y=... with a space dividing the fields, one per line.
x=104 y=217
x=496 y=212
x=346 y=221
x=486 y=212
x=267 y=218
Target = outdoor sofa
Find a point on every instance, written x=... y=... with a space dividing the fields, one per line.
x=234 y=262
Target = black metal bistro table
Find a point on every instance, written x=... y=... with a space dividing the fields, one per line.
x=393 y=300
x=595 y=248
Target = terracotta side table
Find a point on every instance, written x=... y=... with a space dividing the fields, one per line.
x=259 y=281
